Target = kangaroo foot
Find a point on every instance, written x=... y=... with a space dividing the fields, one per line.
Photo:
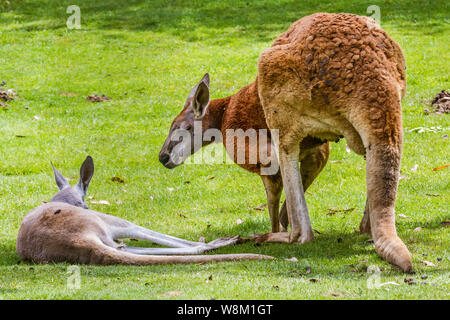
x=281 y=237
x=222 y=242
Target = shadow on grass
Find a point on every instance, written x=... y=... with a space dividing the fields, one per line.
x=256 y=20
x=325 y=246
x=330 y=254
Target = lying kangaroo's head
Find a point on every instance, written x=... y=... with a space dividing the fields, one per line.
x=74 y=195
x=179 y=144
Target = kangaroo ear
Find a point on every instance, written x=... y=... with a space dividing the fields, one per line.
x=86 y=173
x=200 y=97
x=59 y=178
x=205 y=79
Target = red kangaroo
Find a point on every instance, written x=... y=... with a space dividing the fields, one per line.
x=244 y=111
x=328 y=75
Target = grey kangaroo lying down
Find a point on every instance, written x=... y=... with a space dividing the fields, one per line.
x=65 y=230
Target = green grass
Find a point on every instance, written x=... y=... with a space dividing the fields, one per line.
x=146 y=55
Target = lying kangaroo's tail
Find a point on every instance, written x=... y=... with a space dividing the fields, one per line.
x=110 y=256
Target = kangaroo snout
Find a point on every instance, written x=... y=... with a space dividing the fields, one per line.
x=165 y=160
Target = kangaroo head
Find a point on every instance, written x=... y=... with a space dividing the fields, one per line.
x=179 y=144
x=74 y=195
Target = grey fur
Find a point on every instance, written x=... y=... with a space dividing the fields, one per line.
x=74 y=195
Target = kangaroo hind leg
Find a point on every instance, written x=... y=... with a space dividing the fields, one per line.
x=383 y=141
x=176 y=245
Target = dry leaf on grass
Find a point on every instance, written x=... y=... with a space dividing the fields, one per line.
x=117 y=179
x=441 y=167
x=97 y=98
x=332 y=212
x=418 y=229
x=293 y=259
x=261 y=207
x=428 y=263
x=425 y=129
x=336 y=294
x=101 y=202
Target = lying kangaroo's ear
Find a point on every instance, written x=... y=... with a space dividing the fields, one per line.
x=86 y=173
x=59 y=178
x=200 y=97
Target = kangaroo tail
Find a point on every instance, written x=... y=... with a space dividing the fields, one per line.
x=110 y=256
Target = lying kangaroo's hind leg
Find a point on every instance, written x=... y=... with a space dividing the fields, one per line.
x=121 y=229
x=183 y=251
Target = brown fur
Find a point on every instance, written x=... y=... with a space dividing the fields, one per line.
x=243 y=110
x=331 y=75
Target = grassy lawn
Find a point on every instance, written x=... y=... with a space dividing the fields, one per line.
x=146 y=55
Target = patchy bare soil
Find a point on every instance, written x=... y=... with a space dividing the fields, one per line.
x=440 y=103
x=6 y=95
